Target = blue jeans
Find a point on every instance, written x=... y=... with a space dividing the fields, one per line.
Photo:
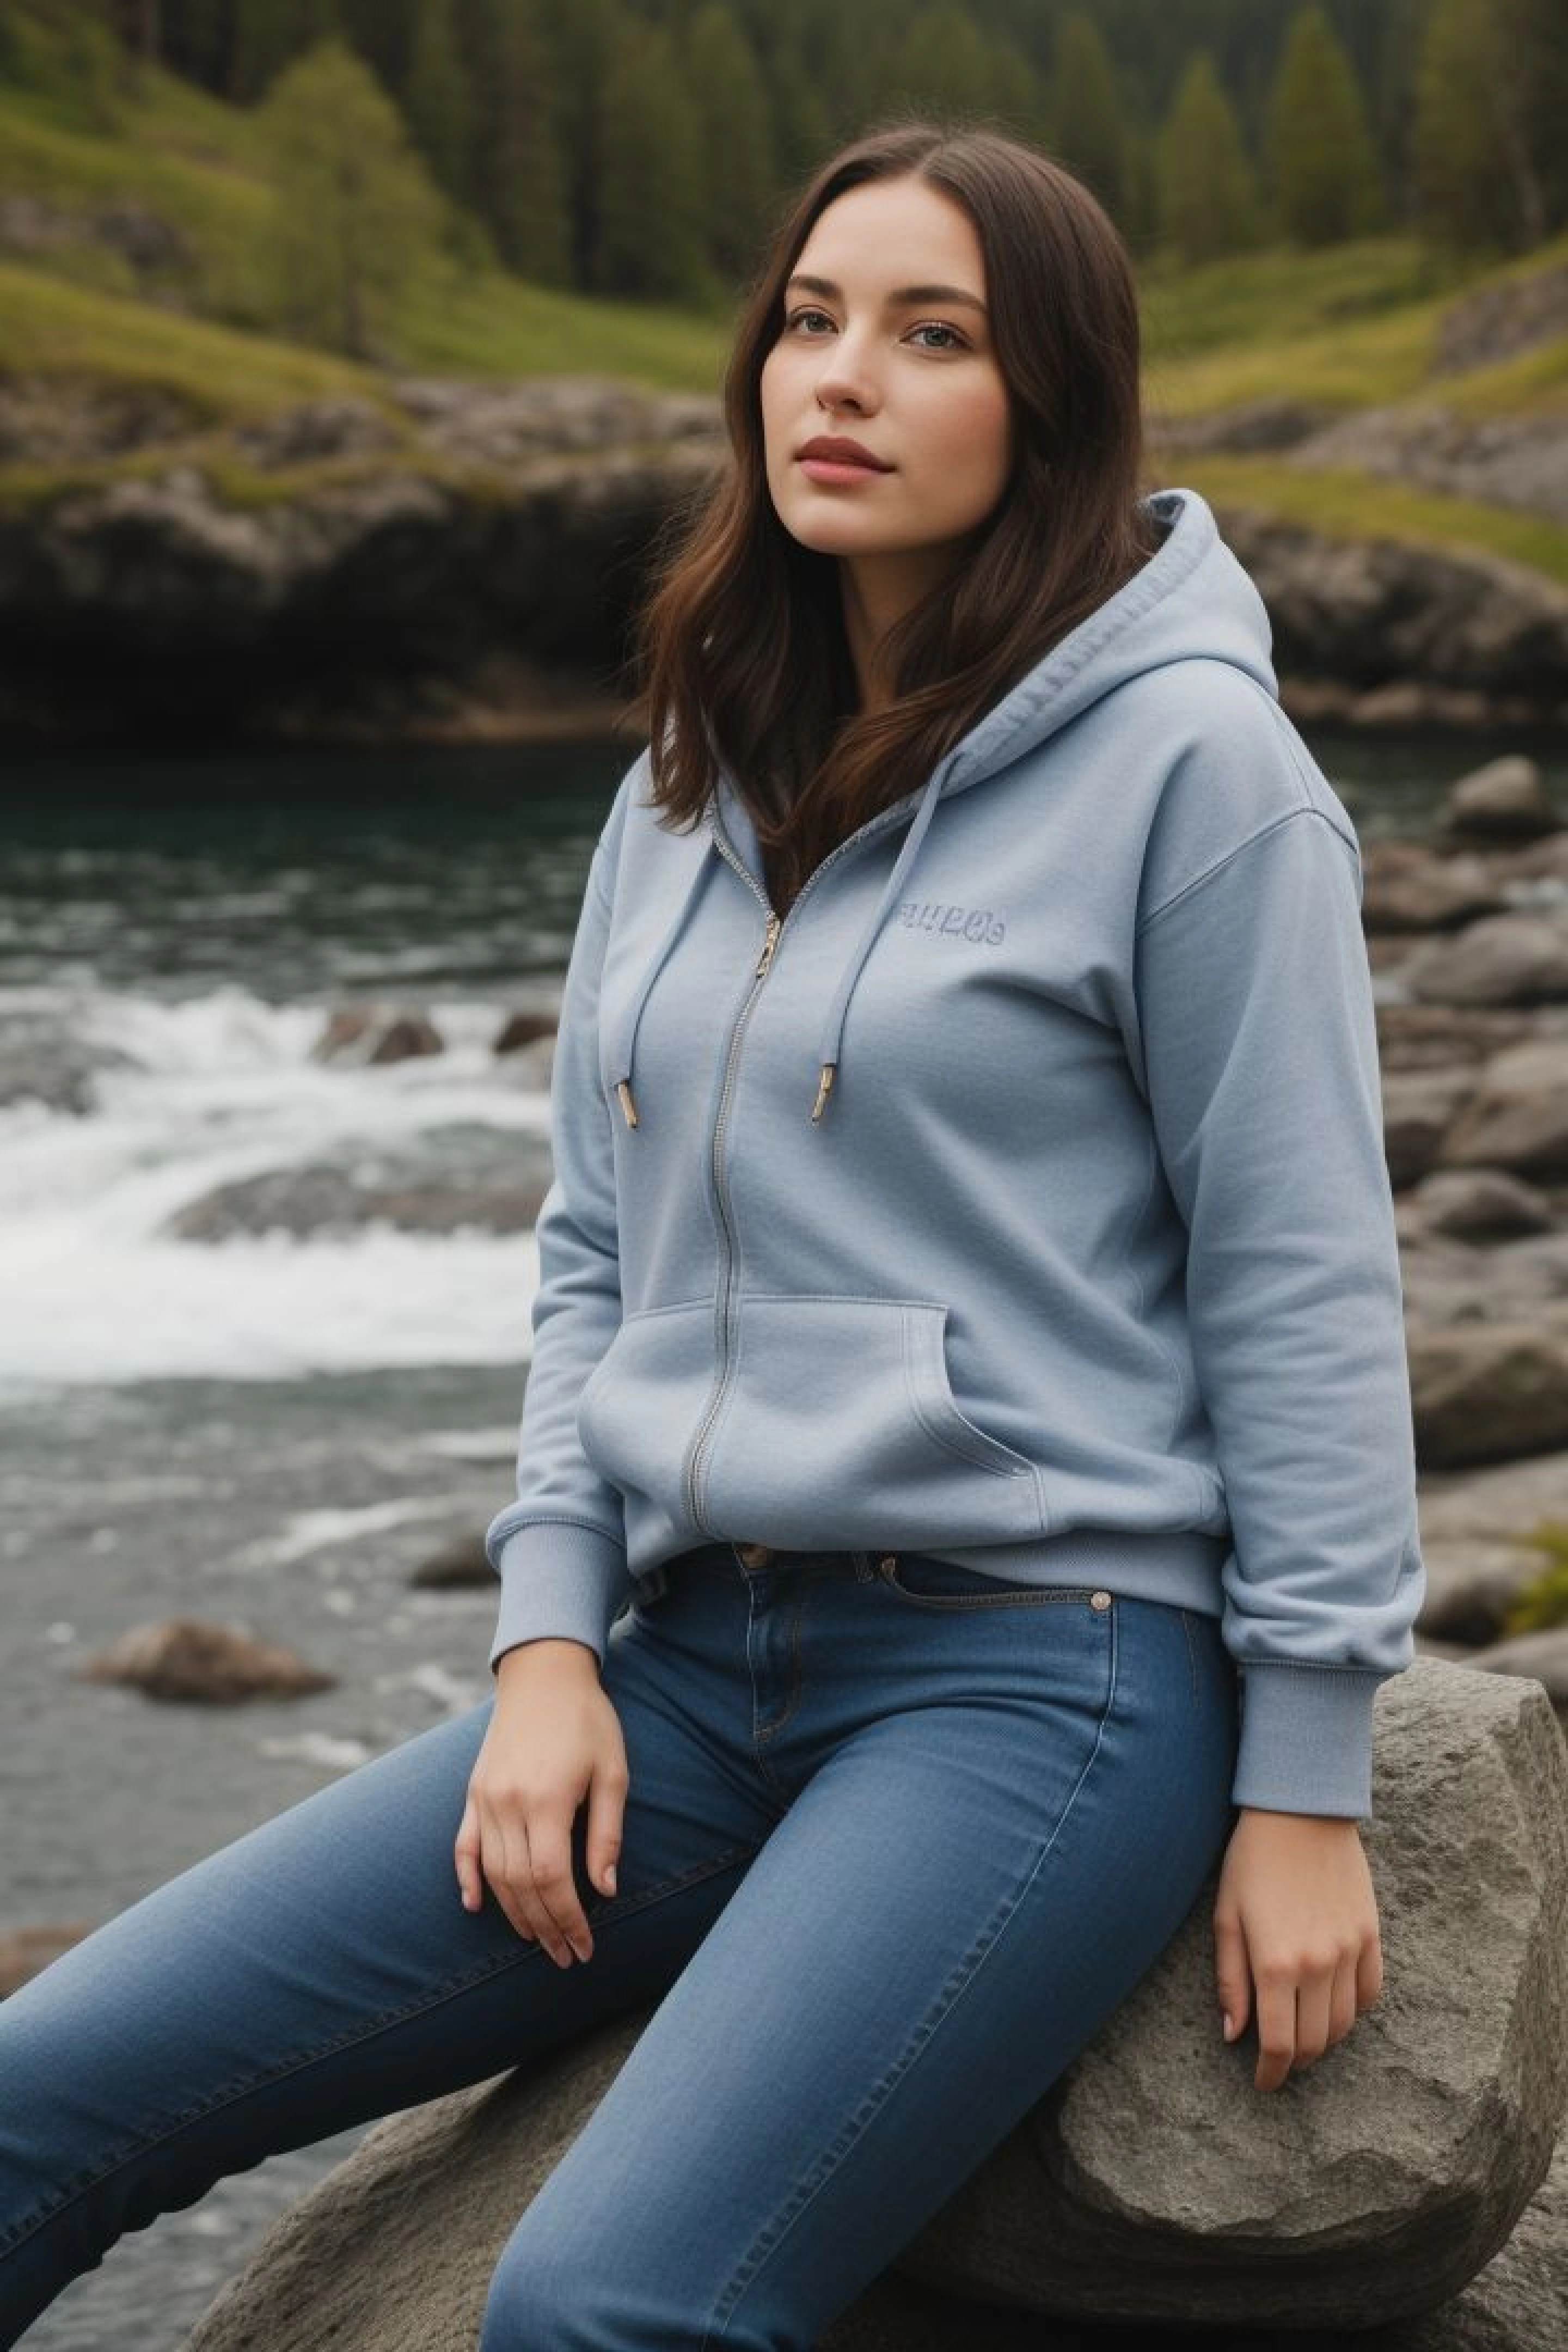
x=899 y=1839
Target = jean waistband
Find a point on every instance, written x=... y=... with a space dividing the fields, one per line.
x=1181 y=1566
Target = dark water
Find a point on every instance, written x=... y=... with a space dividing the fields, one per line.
x=274 y=1427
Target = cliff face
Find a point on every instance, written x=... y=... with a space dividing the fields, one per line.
x=464 y=561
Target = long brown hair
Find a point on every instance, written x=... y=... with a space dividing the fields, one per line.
x=740 y=637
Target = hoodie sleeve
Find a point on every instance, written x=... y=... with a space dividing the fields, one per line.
x=560 y=1549
x=1260 y=1056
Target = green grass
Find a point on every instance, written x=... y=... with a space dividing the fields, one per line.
x=1345 y=504
x=198 y=166
x=76 y=332
x=1543 y=1601
x=1350 y=328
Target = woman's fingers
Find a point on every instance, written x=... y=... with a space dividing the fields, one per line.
x=466 y=1855
x=528 y=1861
x=1276 y=2030
x=1233 y=1980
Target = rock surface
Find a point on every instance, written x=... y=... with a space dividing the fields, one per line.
x=464 y=560
x=219 y=1665
x=1386 y=2183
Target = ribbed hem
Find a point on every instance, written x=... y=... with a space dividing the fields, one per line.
x=560 y=1581
x=1306 y=1739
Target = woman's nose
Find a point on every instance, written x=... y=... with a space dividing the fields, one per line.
x=846 y=378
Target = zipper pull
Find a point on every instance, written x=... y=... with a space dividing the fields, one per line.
x=825 y=1085
x=770 y=940
x=623 y=1089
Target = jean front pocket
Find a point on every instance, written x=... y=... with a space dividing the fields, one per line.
x=927 y=1583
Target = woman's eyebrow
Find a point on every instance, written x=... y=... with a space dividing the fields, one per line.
x=900 y=296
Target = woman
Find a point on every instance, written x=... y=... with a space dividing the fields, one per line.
x=969 y=1337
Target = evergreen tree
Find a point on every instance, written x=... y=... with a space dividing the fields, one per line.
x=354 y=203
x=515 y=177
x=1324 y=171
x=437 y=102
x=1208 y=198
x=587 y=39
x=944 y=62
x=268 y=33
x=1089 y=130
x=65 y=51
x=736 y=135
x=651 y=231
x=804 y=121
x=1476 y=182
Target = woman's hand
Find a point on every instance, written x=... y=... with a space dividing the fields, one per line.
x=554 y=1739
x=1295 y=1908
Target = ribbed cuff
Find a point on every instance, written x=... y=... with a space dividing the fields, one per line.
x=1306 y=1739
x=560 y=1581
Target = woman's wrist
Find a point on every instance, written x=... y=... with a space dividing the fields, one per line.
x=547 y=1654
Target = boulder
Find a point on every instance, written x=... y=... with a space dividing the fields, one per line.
x=1471 y=1587
x=1419 y=1109
x=1541 y=1656
x=1408 y=887
x=1506 y=798
x=25 y=1950
x=220 y=1665
x=1376 y=2197
x=1442 y=1036
x=1516 y=1116
x=1488 y=1391
x=376 y=1032
x=459 y=1565
x=1508 y=1503
x=1482 y=1204
x=1511 y=959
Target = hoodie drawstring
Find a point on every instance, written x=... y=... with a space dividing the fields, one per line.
x=831 y=1047
x=624 y=1045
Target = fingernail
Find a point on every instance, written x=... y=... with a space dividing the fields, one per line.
x=610 y=1876
x=1226 y=2026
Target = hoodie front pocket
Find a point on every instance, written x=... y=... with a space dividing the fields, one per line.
x=645 y=1396
x=836 y=1426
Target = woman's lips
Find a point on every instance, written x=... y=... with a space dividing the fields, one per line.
x=836 y=469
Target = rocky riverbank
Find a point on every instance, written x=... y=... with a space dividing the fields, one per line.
x=460 y=561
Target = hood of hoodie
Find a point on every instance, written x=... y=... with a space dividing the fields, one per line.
x=1192 y=598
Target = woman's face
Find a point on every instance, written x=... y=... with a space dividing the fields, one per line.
x=885 y=341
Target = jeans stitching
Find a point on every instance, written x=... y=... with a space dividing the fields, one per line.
x=797 y=1681
x=1192 y=1656
x=1005 y=1596
x=449 y=1989
x=773 y=2233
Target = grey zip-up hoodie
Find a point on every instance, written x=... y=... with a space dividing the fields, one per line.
x=1020 y=1197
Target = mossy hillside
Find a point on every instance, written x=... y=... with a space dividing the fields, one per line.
x=1341 y=329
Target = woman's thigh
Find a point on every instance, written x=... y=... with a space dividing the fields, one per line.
x=998 y=1817
x=322 y=1969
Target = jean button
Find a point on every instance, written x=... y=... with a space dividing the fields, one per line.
x=1100 y=1600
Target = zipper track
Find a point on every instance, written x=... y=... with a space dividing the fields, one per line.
x=773 y=935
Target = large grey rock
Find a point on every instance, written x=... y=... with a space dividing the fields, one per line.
x=1376 y=2189
x=1506 y=798
x=1497 y=959
x=1517 y=1117
x=1488 y=1391
x=1504 y=1504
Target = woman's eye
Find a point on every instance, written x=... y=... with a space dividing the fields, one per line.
x=934 y=327
x=795 y=317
